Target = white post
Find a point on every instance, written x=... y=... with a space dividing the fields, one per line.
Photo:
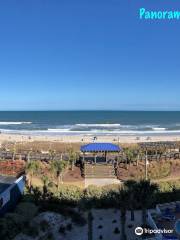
x=146 y=165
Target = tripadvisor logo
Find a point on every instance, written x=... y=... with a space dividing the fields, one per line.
x=139 y=231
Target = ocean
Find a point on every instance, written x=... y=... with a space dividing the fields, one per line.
x=90 y=122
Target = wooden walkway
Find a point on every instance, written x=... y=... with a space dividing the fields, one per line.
x=102 y=170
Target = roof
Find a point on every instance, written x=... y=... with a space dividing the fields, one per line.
x=5 y=182
x=7 y=179
x=3 y=187
x=100 y=147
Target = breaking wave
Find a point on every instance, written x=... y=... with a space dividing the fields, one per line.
x=14 y=123
x=159 y=129
x=50 y=128
x=105 y=125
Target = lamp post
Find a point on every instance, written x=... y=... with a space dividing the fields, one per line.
x=146 y=165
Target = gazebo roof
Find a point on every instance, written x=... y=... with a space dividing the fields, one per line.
x=100 y=147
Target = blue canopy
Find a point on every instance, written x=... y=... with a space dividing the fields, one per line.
x=100 y=147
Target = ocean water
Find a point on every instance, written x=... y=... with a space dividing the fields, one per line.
x=90 y=122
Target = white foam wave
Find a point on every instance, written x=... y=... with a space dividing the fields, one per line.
x=106 y=125
x=14 y=123
x=69 y=130
x=58 y=129
x=159 y=129
x=104 y=131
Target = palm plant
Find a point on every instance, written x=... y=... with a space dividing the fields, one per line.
x=46 y=182
x=31 y=169
x=123 y=204
x=72 y=157
x=140 y=156
x=145 y=192
x=130 y=186
x=52 y=154
x=129 y=155
x=58 y=167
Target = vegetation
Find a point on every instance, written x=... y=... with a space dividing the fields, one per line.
x=70 y=195
x=52 y=154
x=57 y=168
x=159 y=170
x=46 y=183
x=27 y=210
x=72 y=157
x=32 y=168
x=130 y=186
x=123 y=197
x=169 y=186
x=66 y=199
x=16 y=222
x=107 y=197
x=132 y=195
x=156 y=170
x=145 y=196
x=130 y=164
x=129 y=156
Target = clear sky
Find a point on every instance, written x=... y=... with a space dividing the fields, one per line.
x=88 y=54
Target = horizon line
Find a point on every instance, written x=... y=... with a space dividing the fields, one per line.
x=90 y=110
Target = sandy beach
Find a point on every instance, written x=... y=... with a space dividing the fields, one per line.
x=85 y=138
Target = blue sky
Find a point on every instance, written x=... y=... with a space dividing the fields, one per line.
x=88 y=55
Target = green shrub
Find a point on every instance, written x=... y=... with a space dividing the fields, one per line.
x=11 y=225
x=169 y=186
x=69 y=194
x=92 y=196
x=44 y=225
x=169 y=192
x=32 y=230
x=93 y=192
x=26 y=210
x=159 y=170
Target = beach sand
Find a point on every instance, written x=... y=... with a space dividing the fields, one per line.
x=85 y=138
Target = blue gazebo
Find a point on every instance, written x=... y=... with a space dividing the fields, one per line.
x=100 y=148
